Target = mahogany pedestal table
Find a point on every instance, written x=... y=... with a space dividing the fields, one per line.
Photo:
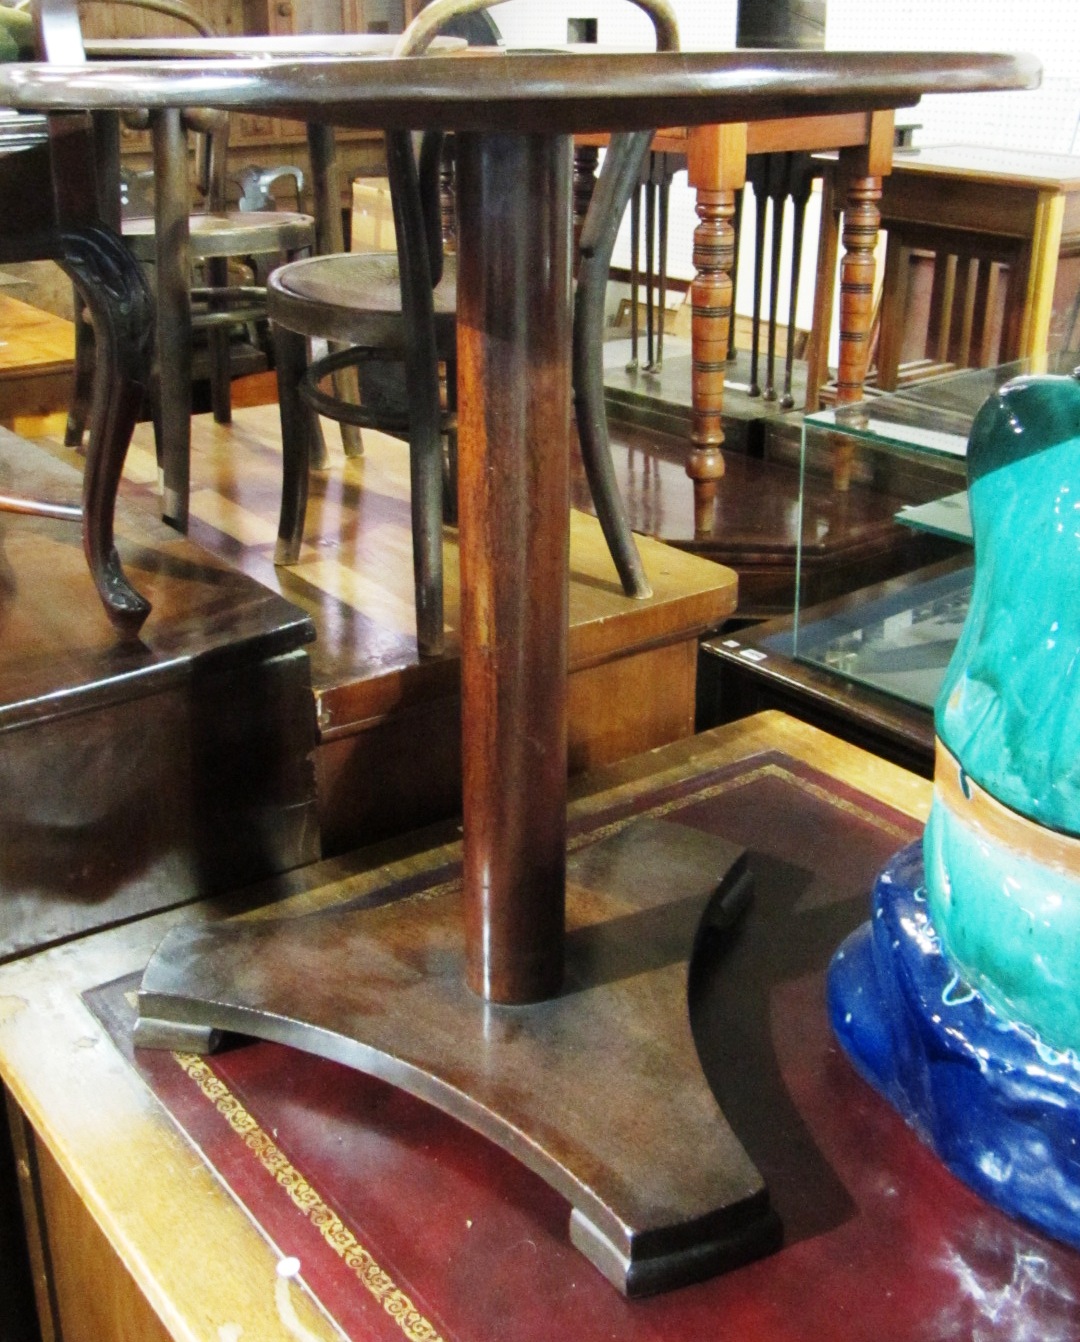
x=538 y=1025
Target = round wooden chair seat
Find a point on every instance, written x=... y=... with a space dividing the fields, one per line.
x=355 y=300
x=231 y=233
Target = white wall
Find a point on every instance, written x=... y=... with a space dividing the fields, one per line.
x=705 y=25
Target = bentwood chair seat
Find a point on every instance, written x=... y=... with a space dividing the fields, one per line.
x=356 y=300
x=404 y=306
x=217 y=235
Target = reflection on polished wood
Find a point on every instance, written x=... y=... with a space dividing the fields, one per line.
x=143 y=774
x=36 y=361
x=388 y=721
x=849 y=537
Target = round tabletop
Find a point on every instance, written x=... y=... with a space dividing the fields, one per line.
x=490 y=89
x=276 y=45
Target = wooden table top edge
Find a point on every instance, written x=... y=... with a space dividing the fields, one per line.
x=555 y=92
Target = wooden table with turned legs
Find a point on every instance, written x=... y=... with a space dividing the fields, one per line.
x=548 y=1022
x=715 y=157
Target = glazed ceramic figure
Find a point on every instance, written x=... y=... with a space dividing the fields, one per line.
x=960 y=999
x=1002 y=851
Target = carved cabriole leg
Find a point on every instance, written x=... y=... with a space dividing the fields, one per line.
x=716 y=169
x=514 y=329
x=110 y=283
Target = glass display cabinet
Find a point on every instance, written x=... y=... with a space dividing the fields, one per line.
x=868 y=665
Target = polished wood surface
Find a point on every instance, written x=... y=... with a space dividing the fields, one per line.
x=989 y=209
x=390 y=720
x=36 y=361
x=354 y=579
x=171 y=1227
x=514 y=500
x=549 y=93
x=849 y=538
x=139 y=775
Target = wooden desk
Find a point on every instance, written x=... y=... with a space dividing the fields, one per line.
x=138 y=1238
x=990 y=205
x=716 y=166
x=514 y=326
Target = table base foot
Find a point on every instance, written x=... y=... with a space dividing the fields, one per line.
x=598 y=1090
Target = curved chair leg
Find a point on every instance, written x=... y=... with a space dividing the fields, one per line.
x=617 y=182
x=217 y=340
x=111 y=285
x=83 y=389
x=347 y=388
x=422 y=372
x=297 y=426
x=448 y=394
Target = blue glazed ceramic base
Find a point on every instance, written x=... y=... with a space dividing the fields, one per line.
x=1000 y=1108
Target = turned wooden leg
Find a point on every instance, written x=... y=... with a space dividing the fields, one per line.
x=861 y=172
x=110 y=283
x=859 y=238
x=514 y=326
x=717 y=169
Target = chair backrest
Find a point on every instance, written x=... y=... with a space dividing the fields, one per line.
x=61 y=43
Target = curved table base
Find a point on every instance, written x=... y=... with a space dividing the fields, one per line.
x=598 y=1090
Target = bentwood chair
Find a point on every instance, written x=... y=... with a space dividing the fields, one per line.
x=385 y=307
x=218 y=235
x=52 y=211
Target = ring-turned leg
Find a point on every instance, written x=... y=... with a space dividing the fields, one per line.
x=861 y=171
x=110 y=283
x=717 y=170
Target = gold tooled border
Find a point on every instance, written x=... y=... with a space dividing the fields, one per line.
x=333 y=1230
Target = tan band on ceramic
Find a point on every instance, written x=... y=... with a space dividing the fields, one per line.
x=976 y=807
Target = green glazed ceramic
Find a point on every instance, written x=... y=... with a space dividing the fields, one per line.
x=1002 y=862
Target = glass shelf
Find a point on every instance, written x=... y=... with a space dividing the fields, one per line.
x=911 y=444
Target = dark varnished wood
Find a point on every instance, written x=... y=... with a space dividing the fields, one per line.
x=514 y=328
x=140 y=774
x=513 y=334
x=650 y=1210
x=528 y=91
